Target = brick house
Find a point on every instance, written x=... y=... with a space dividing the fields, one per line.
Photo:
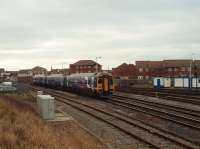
x=85 y=66
x=148 y=69
x=167 y=68
x=26 y=75
x=39 y=70
x=125 y=71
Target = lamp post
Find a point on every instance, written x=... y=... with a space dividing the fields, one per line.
x=97 y=63
x=190 y=76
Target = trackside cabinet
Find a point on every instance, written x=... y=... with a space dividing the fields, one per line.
x=46 y=106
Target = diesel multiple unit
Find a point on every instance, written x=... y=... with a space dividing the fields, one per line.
x=96 y=84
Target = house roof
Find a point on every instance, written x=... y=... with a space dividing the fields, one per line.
x=85 y=62
x=177 y=63
x=151 y=64
x=122 y=66
x=24 y=71
x=165 y=63
x=39 y=68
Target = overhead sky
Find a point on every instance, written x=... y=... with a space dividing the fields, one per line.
x=55 y=32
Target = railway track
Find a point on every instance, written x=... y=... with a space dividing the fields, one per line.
x=170 y=95
x=191 y=120
x=187 y=117
x=186 y=92
x=174 y=97
x=148 y=135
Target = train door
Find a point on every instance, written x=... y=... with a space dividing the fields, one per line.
x=105 y=85
x=158 y=83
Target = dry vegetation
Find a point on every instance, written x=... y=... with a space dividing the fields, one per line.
x=21 y=128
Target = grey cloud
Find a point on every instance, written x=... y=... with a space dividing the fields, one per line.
x=46 y=32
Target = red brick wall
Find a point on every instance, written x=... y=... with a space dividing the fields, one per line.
x=125 y=70
x=84 y=68
x=174 y=72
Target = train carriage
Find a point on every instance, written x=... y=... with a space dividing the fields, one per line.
x=55 y=81
x=97 y=84
x=39 y=80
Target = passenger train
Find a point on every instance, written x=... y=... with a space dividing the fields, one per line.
x=94 y=84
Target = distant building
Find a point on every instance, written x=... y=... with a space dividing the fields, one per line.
x=149 y=69
x=85 y=66
x=39 y=70
x=7 y=75
x=125 y=71
x=25 y=72
x=26 y=75
x=167 y=68
x=60 y=71
x=2 y=70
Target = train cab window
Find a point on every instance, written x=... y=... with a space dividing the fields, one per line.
x=111 y=82
x=100 y=81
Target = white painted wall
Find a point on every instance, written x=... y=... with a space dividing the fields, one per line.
x=167 y=82
x=196 y=82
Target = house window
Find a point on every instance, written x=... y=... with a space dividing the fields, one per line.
x=89 y=67
x=147 y=69
x=140 y=77
x=140 y=69
x=147 y=77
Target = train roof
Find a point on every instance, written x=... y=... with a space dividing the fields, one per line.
x=90 y=74
x=82 y=75
x=39 y=75
x=56 y=75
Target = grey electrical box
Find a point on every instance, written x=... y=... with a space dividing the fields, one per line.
x=46 y=106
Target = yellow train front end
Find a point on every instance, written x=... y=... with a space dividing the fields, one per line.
x=105 y=85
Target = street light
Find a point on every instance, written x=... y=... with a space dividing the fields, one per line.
x=190 y=77
x=97 y=63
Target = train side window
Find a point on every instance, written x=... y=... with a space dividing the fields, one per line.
x=100 y=81
x=95 y=82
x=90 y=81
